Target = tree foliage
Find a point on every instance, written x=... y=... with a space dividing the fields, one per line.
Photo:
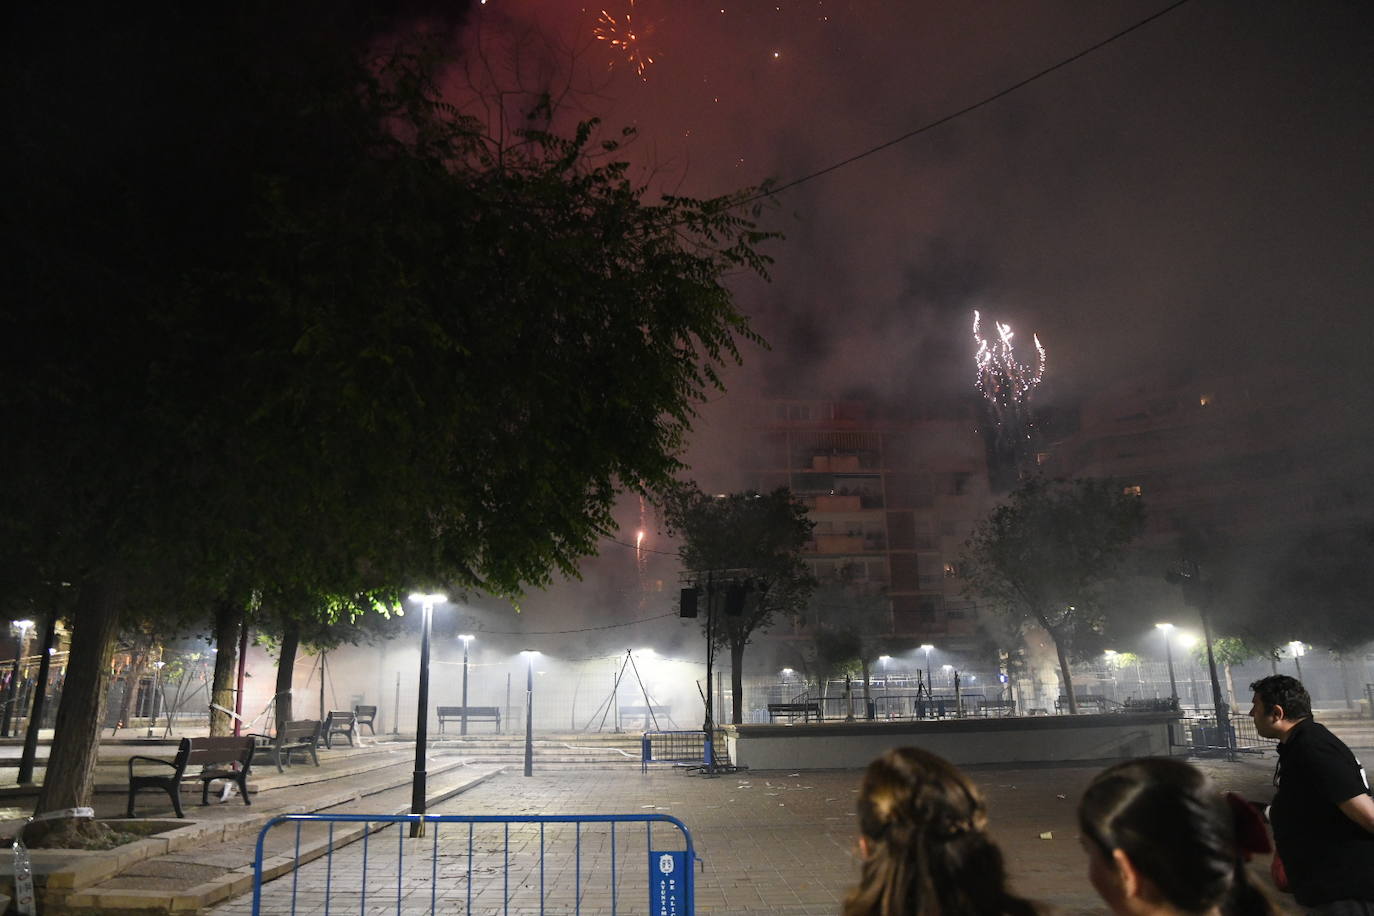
x=280 y=317
x=1043 y=556
x=754 y=538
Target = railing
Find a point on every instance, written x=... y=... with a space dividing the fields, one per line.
x=495 y=865
x=675 y=747
x=1202 y=736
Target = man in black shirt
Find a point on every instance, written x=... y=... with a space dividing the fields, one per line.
x=1323 y=814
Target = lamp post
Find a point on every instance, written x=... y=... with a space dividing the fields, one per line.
x=467 y=640
x=152 y=710
x=887 y=707
x=1110 y=655
x=1167 y=629
x=529 y=711
x=23 y=628
x=1295 y=648
x=927 y=647
x=417 y=787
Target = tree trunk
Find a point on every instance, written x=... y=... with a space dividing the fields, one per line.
x=1064 y=675
x=70 y=778
x=1230 y=685
x=286 y=669
x=228 y=619
x=737 y=682
x=133 y=676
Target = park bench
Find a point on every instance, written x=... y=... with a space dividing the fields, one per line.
x=206 y=752
x=339 y=722
x=1085 y=701
x=477 y=713
x=793 y=710
x=647 y=713
x=366 y=716
x=298 y=735
x=1149 y=704
x=997 y=707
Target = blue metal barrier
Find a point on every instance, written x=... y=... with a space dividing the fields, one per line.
x=475 y=864
x=673 y=747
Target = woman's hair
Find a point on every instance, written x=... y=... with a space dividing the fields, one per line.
x=1179 y=832
x=928 y=848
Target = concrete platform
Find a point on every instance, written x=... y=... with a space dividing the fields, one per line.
x=1028 y=740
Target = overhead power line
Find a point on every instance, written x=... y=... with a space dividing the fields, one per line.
x=988 y=100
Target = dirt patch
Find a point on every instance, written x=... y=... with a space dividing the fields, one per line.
x=93 y=835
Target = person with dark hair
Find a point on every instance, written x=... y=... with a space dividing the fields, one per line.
x=1322 y=814
x=1161 y=839
x=926 y=850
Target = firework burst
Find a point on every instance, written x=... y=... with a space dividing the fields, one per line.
x=628 y=35
x=1002 y=380
x=1006 y=385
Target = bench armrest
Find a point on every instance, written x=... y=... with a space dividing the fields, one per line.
x=166 y=763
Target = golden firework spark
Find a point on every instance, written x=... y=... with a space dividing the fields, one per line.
x=627 y=37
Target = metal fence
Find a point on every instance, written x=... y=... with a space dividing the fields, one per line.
x=1202 y=736
x=346 y=863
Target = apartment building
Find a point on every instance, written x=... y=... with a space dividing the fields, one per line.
x=893 y=497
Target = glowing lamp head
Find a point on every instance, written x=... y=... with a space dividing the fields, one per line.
x=926 y=647
x=1297 y=649
x=467 y=638
x=787 y=672
x=1166 y=627
x=429 y=599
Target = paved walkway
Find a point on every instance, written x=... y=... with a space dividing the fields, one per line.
x=771 y=843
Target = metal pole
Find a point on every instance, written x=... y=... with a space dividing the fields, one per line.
x=529 y=718
x=417 y=787
x=322 y=657
x=463 y=730
x=12 y=697
x=152 y=710
x=26 y=759
x=396 y=708
x=238 y=692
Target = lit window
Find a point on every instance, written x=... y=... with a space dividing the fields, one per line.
x=1042 y=457
x=1204 y=400
x=1131 y=491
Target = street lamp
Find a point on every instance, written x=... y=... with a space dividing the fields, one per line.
x=887 y=707
x=1167 y=629
x=529 y=711
x=1111 y=655
x=22 y=628
x=417 y=788
x=467 y=639
x=157 y=677
x=926 y=647
x=1295 y=648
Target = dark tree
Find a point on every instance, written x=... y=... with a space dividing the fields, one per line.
x=1043 y=556
x=278 y=317
x=743 y=539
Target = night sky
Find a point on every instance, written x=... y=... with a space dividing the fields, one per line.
x=1196 y=193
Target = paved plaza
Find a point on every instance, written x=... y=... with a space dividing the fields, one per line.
x=770 y=843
